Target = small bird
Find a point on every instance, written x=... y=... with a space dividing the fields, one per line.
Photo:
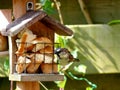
x=65 y=58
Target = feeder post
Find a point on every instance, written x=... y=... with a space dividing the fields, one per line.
x=20 y=8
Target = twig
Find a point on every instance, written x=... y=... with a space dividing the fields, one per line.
x=85 y=11
x=59 y=12
x=43 y=85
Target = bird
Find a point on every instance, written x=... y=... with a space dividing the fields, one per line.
x=65 y=58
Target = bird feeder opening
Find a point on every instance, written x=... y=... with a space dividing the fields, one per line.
x=30 y=6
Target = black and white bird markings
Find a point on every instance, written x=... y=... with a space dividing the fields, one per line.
x=65 y=58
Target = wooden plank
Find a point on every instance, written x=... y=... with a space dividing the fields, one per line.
x=57 y=26
x=25 y=21
x=36 y=77
x=4 y=53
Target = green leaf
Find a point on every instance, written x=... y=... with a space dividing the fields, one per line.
x=61 y=84
x=47 y=6
x=62 y=40
x=80 y=68
x=89 y=88
x=75 y=53
x=113 y=22
x=6 y=64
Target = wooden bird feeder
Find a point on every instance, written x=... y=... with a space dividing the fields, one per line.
x=33 y=63
x=41 y=25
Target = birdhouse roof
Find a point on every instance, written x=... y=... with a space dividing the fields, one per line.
x=32 y=17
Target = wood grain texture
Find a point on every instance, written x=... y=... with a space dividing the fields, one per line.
x=27 y=85
x=19 y=7
x=36 y=77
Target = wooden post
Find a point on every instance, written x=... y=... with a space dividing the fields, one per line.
x=27 y=85
x=19 y=9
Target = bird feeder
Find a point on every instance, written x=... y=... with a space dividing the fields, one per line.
x=31 y=44
x=34 y=46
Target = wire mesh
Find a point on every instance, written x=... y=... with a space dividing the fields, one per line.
x=33 y=59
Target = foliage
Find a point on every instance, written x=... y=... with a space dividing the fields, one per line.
x=6 y=64
x=80 y=69
x=113 y=22
x=61 y=84
x=48 y=6
x=61 y=40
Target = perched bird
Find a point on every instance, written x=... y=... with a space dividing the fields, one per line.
x=65 y=58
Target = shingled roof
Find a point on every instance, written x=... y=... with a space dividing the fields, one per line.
x=32 y=17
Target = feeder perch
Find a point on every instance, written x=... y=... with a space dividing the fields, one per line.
x=41 y=26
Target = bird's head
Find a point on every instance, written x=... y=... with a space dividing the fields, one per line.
x=65 y=58
x=64 y=53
